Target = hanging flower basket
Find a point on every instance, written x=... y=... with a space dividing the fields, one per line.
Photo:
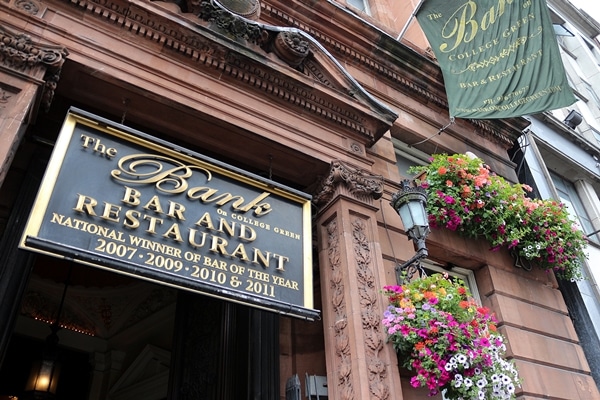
x=465 y=196
x=448 y=341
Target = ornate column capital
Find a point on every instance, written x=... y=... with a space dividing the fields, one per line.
x=19 y=54
x=350 y=181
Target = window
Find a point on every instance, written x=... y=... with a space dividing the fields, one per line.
x=596 y=133
x=466 y=275
x=407 y=156
x=592 y=92
x=568 y=196
x=562 y=30
x=362 y=5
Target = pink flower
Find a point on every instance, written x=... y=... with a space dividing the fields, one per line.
x=414 y=382
x=441 y=344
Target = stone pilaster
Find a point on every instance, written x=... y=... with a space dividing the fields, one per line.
x=359 y=364
x=29 y=74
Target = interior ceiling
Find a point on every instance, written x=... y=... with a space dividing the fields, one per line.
x=97 y=302
x=57 y=270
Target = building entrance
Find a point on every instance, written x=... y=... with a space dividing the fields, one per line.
x=120 y=336
x=125 y=338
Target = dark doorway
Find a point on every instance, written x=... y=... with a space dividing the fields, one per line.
x=224 y=351
x=124 y=338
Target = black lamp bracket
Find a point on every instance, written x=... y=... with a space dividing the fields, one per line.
x=406 y=270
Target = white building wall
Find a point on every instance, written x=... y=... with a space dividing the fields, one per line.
x=543 y=135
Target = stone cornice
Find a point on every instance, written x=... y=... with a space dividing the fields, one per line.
x=410 y=72
x=344 y=179
x=19 y=54
x=282 y=63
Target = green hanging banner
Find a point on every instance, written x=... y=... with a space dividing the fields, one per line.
x=499 y=58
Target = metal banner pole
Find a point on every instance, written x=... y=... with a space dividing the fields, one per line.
x=414 y=13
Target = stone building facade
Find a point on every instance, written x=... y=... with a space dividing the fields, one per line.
x=317 y=95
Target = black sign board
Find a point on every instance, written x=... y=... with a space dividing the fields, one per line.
x=122 y=200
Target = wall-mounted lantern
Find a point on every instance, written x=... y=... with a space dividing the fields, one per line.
x=573 y=119
x=409 y=202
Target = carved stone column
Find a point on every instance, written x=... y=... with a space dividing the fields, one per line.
x=28 y=76
x=360 y=365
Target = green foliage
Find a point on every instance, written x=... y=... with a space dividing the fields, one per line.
x=464 y=196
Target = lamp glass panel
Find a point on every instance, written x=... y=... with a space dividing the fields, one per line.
x=406 y=216
x=419 y=215
x=44 y=377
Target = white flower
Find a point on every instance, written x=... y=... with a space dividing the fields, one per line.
x=481 y=383
x=468 y=382
x=444 y=391
x=495 y=379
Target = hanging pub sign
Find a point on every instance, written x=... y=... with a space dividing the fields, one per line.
x=499 y=58
x=122 y=200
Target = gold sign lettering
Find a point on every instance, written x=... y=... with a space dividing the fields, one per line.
x=461 y=26
x=98 y=147
x=154 y=169
x=133 y=219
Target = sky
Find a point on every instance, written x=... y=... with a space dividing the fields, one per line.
x=591 y=7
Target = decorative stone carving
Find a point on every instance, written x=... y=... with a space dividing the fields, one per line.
x=249 y=9
x=4 y=99
x=368 y=342
x=29 y=6
x=362 y=116
x=344 y=179
x=17 y=52
x=373 y=337
x=231 y=23
x=291 y=47
x=356 y=148
x=342 y=341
